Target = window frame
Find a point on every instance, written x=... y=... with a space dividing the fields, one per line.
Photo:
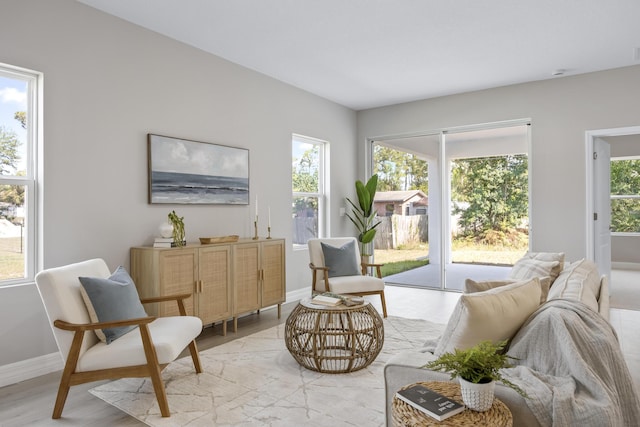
x=613 y=197
x=321 y=194
x=32 y=250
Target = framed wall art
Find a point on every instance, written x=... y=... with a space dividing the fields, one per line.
x=192 y=172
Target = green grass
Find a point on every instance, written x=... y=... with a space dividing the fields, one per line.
x=400 y=266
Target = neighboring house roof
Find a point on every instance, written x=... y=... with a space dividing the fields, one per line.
x=397 y=196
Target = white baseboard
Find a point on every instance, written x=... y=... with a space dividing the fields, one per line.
x=31 y=368
x=298 y=294
x=26 y=369
x=625 y=266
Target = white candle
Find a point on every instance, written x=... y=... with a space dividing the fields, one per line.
x=256 y=208
x=269 y=209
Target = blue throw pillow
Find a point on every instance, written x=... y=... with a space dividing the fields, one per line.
x=341 y=261
x=114 y=298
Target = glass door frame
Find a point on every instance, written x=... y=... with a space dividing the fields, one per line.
x=444 y=170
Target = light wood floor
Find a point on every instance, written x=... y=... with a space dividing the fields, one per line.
x=30 y=403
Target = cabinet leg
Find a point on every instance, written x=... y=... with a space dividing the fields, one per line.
x=224 y=328
x=235 y=324
x=279 y=310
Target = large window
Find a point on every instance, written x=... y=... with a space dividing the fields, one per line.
x=625 y=194
x=19 y=100
x=308 y=184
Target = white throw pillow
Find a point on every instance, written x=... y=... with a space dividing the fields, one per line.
x=471 y=286
x=494 y=315
x=528 y=268
x=579 y=281
x=549 y=256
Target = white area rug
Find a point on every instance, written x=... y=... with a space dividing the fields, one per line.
x=254 y=381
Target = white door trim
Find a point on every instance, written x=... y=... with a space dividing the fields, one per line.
x=590 y=136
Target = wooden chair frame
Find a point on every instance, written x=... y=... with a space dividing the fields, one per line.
x=151 y=369
x=364 y=266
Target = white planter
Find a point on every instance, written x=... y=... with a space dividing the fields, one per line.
x=477 y=397
x=166 y=230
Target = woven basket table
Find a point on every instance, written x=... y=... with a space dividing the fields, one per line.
x=405 y=415
x=336 y=339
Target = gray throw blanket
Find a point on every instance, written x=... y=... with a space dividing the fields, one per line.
x=572 y=368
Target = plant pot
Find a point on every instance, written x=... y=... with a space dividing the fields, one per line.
x=166 y=230
x=478 y=397
x=366 y=259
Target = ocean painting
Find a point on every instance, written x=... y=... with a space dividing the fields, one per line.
x=191 y=172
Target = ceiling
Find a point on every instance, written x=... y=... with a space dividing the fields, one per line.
x=370 y=53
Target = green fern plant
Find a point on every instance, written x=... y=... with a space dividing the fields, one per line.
x=478 y=364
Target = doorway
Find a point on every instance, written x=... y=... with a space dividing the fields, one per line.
x=612 y=242
x=454 y=213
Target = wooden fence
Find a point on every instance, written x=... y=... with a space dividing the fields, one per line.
x=398 y=230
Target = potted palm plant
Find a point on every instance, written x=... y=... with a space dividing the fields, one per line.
x=363 y=216
x=478 y=368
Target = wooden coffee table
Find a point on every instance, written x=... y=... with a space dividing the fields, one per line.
x=405 y=415
x=332 y=339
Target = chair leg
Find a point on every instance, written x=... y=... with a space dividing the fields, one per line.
x=154 y=371
x=63 y=392
x=384 y=304
x=195 y=356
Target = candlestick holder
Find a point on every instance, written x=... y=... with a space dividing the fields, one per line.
x=268 y=232
x=255 y=228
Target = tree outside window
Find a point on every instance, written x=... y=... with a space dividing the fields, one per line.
x=307 y=179
x=625 y=195
x=18 y=89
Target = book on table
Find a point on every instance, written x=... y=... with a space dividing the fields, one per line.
x=326 y=300
x=430 y=402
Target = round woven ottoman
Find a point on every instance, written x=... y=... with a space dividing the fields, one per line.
x=336 y=339
x=405 y=415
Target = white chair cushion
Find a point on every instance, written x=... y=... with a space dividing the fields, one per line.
x=60 y=291
x=351 y=284
x=579 y=281
x=493 y=315
x=170 y=336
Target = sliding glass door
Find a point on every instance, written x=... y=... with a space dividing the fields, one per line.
x=453 y=204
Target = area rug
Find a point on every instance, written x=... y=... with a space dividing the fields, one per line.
x=254 y=381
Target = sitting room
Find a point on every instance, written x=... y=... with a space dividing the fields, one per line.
x=264 y=114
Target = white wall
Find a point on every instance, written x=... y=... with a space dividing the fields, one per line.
x=107 y=83
x=561 y=110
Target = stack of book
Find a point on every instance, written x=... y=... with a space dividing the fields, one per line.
x=165 y=242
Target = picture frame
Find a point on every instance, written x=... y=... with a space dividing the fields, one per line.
x=182 y=171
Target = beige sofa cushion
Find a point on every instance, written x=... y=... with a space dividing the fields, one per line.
x=579 y=281
x=549 y=257
x=471 y=286
x=495 y=315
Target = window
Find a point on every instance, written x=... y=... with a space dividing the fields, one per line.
x=19 y=101
x=625 y=194
x=308 y=184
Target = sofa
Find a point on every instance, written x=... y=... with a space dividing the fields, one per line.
x=554 y=316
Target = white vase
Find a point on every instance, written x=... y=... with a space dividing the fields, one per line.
x=477 y=397
x=166 y=230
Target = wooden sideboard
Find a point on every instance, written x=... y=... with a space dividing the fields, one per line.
x=226 y=279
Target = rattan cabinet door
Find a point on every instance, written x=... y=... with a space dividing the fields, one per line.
x=246 y=277
x=178 y=274
x=273 y=273
x=214 y=296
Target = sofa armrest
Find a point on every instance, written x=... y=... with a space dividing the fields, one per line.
x=405 y=368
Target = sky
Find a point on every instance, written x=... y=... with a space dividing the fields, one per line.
x=13 y=98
